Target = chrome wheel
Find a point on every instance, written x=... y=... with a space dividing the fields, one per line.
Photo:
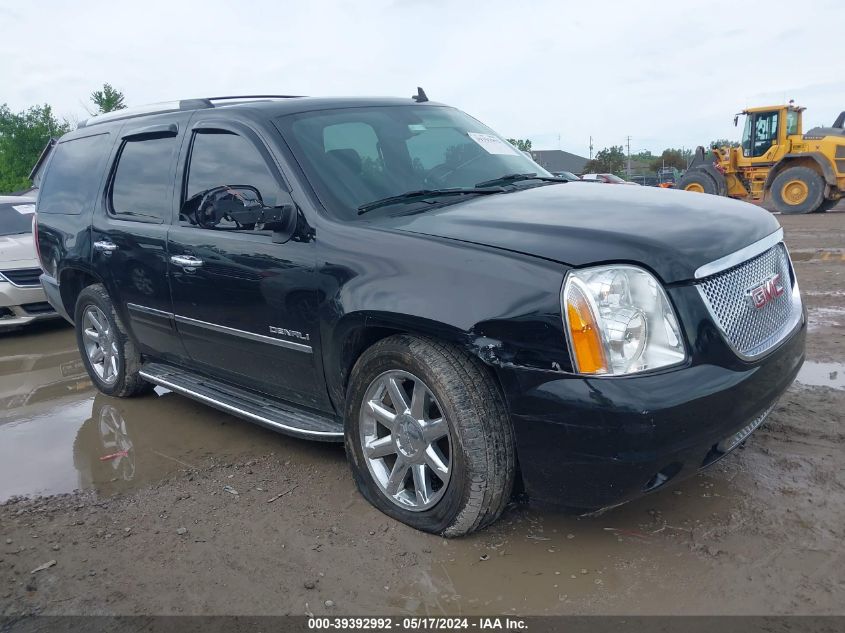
x=100 y=344
x=116 y=442
x=406 y=440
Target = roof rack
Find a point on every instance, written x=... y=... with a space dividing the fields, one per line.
x=171 y=106
x=235 y=97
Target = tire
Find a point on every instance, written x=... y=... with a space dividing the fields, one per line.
x=121 y=378
x=827 y=205
x=698 y=181
x=797 y=190
x=481 y=454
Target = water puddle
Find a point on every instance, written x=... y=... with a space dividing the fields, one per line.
x=825 y=317
x=823 y=293
x=58 y=434
x=819 y=254
x=815 y=374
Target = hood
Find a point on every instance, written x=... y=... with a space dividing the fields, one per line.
x=669 y=231
x=17 y=249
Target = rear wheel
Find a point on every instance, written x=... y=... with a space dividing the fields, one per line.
x=108 y=353
x=428 y=436
x=797 y=190
x=698 y=181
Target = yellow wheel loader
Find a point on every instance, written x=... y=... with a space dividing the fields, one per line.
x=775 y=163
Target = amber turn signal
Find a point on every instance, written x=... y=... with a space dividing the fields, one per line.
x=584 y=333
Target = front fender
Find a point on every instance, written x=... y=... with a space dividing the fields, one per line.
x=502 y=306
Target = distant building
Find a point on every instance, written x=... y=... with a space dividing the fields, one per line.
x=558 y=160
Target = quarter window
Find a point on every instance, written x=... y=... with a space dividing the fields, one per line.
x=143 y=181
x=70 y=184
x=792 y=122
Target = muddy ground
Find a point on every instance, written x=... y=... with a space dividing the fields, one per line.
x=181 y=509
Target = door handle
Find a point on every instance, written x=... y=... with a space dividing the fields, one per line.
x=105 y=247
x=188 y=262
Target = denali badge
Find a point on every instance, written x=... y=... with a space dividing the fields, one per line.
x=765 y=292
x=290 y=333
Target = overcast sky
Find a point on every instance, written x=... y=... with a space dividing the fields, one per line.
x=668 y=74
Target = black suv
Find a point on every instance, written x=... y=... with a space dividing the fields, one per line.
x=392 y=274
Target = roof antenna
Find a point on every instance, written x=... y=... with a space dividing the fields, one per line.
x=420 y=97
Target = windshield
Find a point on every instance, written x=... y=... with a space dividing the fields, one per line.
x=355 y=156
x=16 y=217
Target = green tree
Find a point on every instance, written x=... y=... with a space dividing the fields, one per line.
x=524 y=145
x=609 y=160
x=23 y=136
x=108 y=99
x=676 y=158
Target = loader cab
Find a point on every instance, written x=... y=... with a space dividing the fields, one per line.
x=766 y=133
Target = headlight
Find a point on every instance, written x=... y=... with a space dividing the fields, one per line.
x=619 y=321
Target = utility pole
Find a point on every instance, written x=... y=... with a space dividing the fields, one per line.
x=628 y=171
x=591 y=148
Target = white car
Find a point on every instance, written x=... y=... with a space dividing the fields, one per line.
x=609 y=179
x=22 y=300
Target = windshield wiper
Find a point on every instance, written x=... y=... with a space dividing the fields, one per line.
x=410 y=196
x=509 y=178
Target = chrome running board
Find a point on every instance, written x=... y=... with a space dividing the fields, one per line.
x=283 y=418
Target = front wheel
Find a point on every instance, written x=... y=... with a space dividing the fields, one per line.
x=428 y=436
x=698 y=181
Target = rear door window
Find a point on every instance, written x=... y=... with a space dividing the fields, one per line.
x=73 y=175
x=142 y=189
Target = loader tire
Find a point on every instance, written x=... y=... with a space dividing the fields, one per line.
x=698 y=181
x=798 y=190
x=826 y=205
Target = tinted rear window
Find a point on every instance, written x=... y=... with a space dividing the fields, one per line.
x=143 y=181
x=16 y=217
x=70 y=184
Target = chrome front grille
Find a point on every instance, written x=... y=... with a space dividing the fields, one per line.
x=751 y=330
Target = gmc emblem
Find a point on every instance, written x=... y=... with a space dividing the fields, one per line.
x=765 y=292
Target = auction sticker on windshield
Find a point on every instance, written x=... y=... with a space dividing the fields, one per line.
x=493 y=144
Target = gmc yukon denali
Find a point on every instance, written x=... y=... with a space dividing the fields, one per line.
x=392 y=274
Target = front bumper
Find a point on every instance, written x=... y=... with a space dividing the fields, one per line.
x=22 y=305
x=592 y=443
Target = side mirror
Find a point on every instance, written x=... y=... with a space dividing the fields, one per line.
x=241 y=204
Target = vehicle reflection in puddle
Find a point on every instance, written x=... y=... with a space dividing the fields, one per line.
x=57 y=434
x=533 y=560
x=815 y=374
